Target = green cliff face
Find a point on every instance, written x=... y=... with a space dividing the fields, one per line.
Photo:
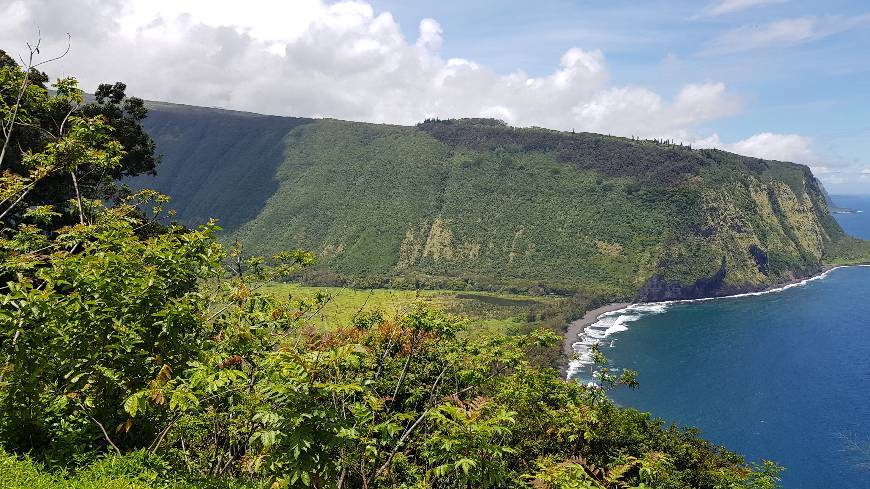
x=474 y=203
x=215 y=163
x=756 y=232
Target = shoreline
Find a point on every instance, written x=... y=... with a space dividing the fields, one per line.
x=576 y=327
x=589 y=318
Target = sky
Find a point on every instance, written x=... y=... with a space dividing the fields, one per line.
x=779 y=79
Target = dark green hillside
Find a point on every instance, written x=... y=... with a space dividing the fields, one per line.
x=478 y=204
x=215 y=163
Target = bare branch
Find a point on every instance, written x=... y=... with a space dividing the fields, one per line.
x=102 y=428
x=78 y=196
x=38 y=128
x=65 y=118
x=156 y=444
x=9 y=126
x=411 y=428
x=405 y=367
x=68 y=46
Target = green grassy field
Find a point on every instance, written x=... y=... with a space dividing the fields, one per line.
x=487 y=312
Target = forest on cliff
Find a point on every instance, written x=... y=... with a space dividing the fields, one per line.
x=476 y=204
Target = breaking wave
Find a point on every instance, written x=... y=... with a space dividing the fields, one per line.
x=605 y=326
x=612 y=322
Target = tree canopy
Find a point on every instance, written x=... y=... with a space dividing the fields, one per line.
x=36 y=119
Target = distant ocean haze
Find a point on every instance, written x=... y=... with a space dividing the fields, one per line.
x=857 y=224
x=784 y=376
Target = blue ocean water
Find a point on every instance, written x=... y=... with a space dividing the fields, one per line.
x=857 y=225
x=783 y=376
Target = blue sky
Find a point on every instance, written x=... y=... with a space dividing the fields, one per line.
x=780 y=79
x=817 y=86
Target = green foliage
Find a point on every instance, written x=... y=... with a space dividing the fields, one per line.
x=487 y=312
x=44 y=131
x=478 y=205
x=128 y=473
x=850 y=251
x=143 y=345
x=135 y=470
x=138 y=354
x=94 y=284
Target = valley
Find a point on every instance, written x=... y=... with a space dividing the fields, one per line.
x=478 y=205
x=195 y=297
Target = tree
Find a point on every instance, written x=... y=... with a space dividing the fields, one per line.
x=33 y=118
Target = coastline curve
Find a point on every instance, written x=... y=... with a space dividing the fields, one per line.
x=600 y=324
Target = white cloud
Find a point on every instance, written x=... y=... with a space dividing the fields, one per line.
x=783 y=147
x=782 y=33
x=430 y=35
x=769 y=146
x=265 y=20
x=342 y=60
x=347 y=61
x=640 y=112
x=820 y=170
x=728 y=6
x=865 y=171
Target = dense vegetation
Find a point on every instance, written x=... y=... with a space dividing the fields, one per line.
x=137 y=353
x=32 y=123
x=476 y=204
x=243 y=151
x=486 y=312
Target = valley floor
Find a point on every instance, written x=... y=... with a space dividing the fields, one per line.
x=487 y=312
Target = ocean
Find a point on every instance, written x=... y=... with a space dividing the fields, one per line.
x=783 y=376
x=857 y=225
